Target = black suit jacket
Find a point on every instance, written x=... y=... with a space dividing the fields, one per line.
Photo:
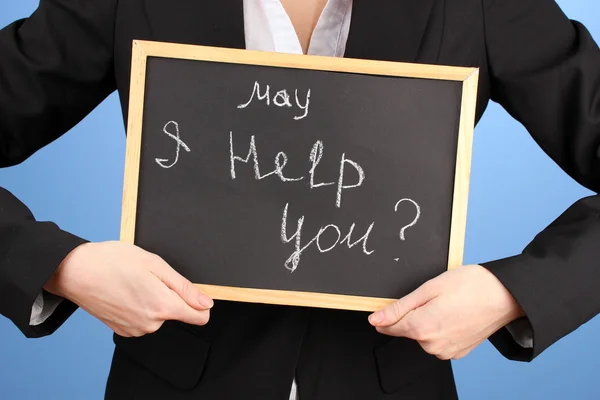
x=59 y=64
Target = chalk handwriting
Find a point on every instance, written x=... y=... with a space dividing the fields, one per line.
x=293 y=260
x=281 y=99
x=180 y=144
x=414 y=221
x=281 y=160
x=362 y=239
x=256 y=91
x=284 y=99
x=305 y=108
x=341 y=186
x=323 y=230
x=315 y=157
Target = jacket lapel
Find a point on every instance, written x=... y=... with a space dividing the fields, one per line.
x=204 y=22
x=390 y=30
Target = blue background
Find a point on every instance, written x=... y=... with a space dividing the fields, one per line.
x=515 y=192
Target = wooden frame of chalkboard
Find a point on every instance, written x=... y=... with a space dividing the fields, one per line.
x=142 y=50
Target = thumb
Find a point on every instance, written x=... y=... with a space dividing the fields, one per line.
x=181 y=311
x=184 y=288
x=396 y=310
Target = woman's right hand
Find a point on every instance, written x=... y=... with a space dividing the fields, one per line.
x=129 y=289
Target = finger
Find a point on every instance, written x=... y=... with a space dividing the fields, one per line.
x=183 y=287
x=466 y=351
x=395 y=311
x=181 y=311
x=411 y=326
x=120 y=332
x=433 y=347
x=131 y=332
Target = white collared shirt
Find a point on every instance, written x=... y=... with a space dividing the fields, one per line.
x=268 y=28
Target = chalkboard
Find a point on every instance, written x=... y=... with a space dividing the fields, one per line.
x=297 y=180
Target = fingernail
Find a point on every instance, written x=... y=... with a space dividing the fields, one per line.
x=205 y=301
x=376 y=317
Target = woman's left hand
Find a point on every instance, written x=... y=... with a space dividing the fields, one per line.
x=451 y=314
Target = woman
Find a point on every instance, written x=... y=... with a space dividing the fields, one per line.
x=68 y=56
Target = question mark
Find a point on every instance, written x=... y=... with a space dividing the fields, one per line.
x=414 y=221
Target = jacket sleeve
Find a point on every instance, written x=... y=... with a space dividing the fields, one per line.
x=545 y=71
x=55 y=67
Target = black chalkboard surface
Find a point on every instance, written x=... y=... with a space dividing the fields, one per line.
x=295 y=179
